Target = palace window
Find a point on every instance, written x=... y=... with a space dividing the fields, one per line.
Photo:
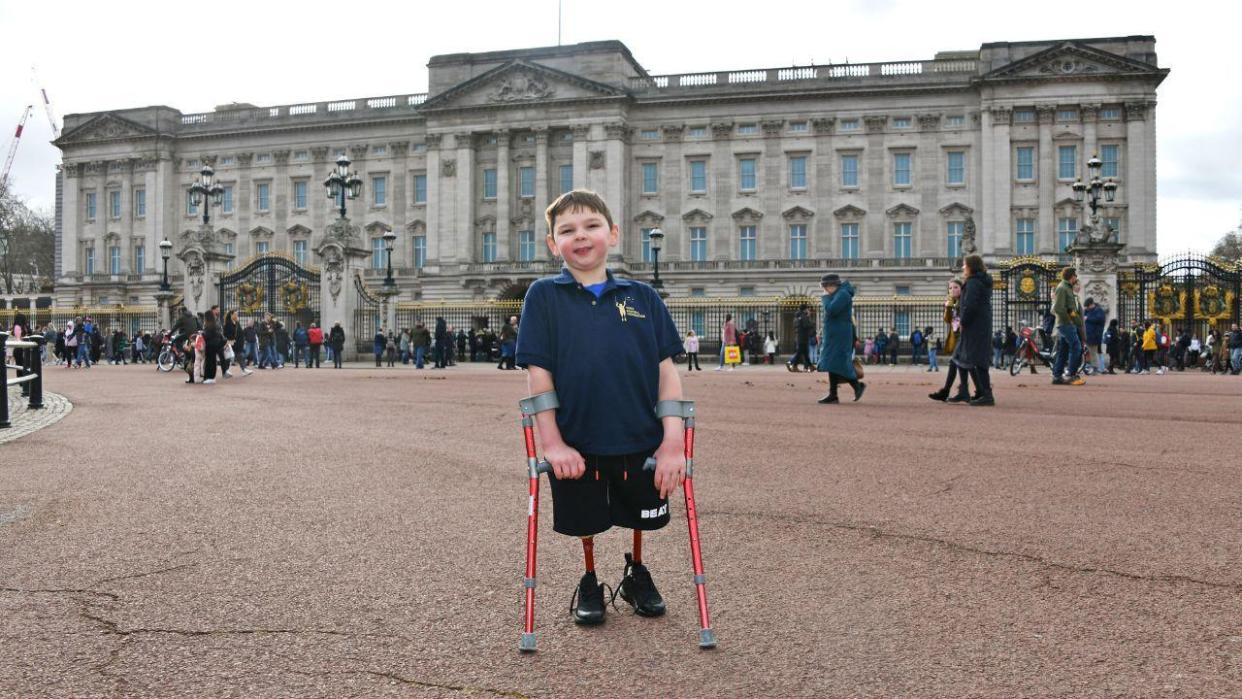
x=746 y=174
x=797 y=241
x=262 y=247
x=698 y=132
x=191 y=208
x=379 y=191
x=226 y=200
x=114 y=259
x=1109 y=155
x=849 y=241
x=1026 y=164
x=955 y=120
x=698 y=176
x=849 y=171
x=263 y=197
x=901 y=169
x=1067 y=231
x=746 y=236
x=1114 y=224
x=849 y=125
x=420 y=189
x=526 y=182
x=953 y=231
x=901 y=122
x=299 y=252
x=114 y=204
x=646 y=243
x=489 y=183
x=903 y=238
x=799 y=126
x=957 y=167
x=526 y=246
x=89 y=266
x=1024 y=116
x=747 y=129
x=140 y=203
x=1024 y=237
x=1110 y=114
x=420 y=251
x=651 y=178
x=489 y=247
x=299 y=194
x=140 y=258
x=1067 y=162
x=377 y=253
x=797 y=172
x=698 y=244
x=649 y=134
x=567 y=177
x=263 y=158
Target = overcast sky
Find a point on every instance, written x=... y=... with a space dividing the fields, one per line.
x=95 y=56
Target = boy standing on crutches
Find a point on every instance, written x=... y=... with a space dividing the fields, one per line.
x=604 y=345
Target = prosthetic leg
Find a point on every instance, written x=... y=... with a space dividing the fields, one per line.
x=534 y=467
x=684 y=409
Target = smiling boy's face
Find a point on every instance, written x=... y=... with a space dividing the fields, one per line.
x=582 y=238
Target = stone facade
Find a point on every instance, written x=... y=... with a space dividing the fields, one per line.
x=755 y=176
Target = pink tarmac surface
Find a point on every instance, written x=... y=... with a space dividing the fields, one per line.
x=359 y=533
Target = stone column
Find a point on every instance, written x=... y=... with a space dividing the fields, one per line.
x=1097 y=262
x=389 y=306
x=1138 y=187
x=1046 y=226
x=71 y=217
x=541 y=191
x=826 y=242
x=932 y=237
x=435 y=207
x=241 y=205
x=463 y=233
x=615 y=171
x=203 y=259
x=676 y=241
x=162 y=301
x=282 y=201
x=581 y=132
x=127 y=216
x=504 y=198
x=398 y=200
x=343 y=256
x=722 y=238
x=771 y=239
x=1089 y=113
x=875 y=186
x=996 y=214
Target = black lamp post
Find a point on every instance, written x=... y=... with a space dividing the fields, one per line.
x=165 y=252
x=206 y=191
x=390 y=239
x=342 y=183
x=1095 y=187
x=656 y=240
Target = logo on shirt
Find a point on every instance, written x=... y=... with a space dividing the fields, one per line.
x=626 y=309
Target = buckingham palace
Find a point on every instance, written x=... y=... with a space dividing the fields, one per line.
x=760 y=179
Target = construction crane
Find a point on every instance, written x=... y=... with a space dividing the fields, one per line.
x=47 y=103
x=17 y=137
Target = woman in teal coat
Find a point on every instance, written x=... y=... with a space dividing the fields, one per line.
x=836 y=354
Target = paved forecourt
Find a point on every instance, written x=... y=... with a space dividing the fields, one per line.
x=360 y=533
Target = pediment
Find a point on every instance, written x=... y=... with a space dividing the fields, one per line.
x=849 y=211
x=1067 y=202
x=416 y=227
x=1073 y=60
x=696 y=215
x=377 y=228
x=956 y=209
x=649 y=217
x=902 y=210
x=485 y=224
x=797 y=212
x=520 y=82
x=106 y=127
x=297 y=230
x=260 y=232
x=228 y=233
x=747 y=214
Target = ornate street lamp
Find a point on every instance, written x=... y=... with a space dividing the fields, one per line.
x=206 y=191
x=390 y=240
x=656 y=238
x=165 y=252
x=1093 y=188
x=342 y=183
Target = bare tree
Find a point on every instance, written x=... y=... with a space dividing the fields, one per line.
x=1229 y=247
x=31 y=241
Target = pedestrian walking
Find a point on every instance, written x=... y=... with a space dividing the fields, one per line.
x=336 y=340
x=691 y=345
x=973 y=352
x=837 y=354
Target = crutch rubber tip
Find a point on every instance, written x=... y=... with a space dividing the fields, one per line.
x=707 y=638
x=527 y=644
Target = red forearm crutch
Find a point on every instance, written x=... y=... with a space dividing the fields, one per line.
x=684 y=409
x=530 y=407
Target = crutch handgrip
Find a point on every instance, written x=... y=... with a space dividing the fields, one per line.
x=544 y=466
x=539 y=403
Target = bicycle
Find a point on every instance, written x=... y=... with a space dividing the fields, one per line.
x=1027 y=354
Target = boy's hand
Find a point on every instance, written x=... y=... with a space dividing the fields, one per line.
x=670 y=466
x=566 y=462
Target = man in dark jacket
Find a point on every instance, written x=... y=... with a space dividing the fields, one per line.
x=378 y=343
x=420 y=340
x=893 y=344
x=300 y=342
x=442 y=343
x=1235 y=349
x=974 y=349
x=916 y=346
x=804 y=327
x=267 y=355
x=1094 y=318
x=336 y=340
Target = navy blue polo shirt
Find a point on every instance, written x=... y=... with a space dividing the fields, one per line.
x=604 y=356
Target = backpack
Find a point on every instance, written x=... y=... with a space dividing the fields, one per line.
x=916 y=338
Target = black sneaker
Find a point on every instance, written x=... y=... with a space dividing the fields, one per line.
x=858 y=390
x=589 y=598
x=639 y=590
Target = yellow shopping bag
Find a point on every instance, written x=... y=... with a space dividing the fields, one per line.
x=733 y=354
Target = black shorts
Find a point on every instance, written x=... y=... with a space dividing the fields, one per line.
x=614 y=491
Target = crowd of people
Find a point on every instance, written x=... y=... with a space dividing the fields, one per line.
x=445 y=345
